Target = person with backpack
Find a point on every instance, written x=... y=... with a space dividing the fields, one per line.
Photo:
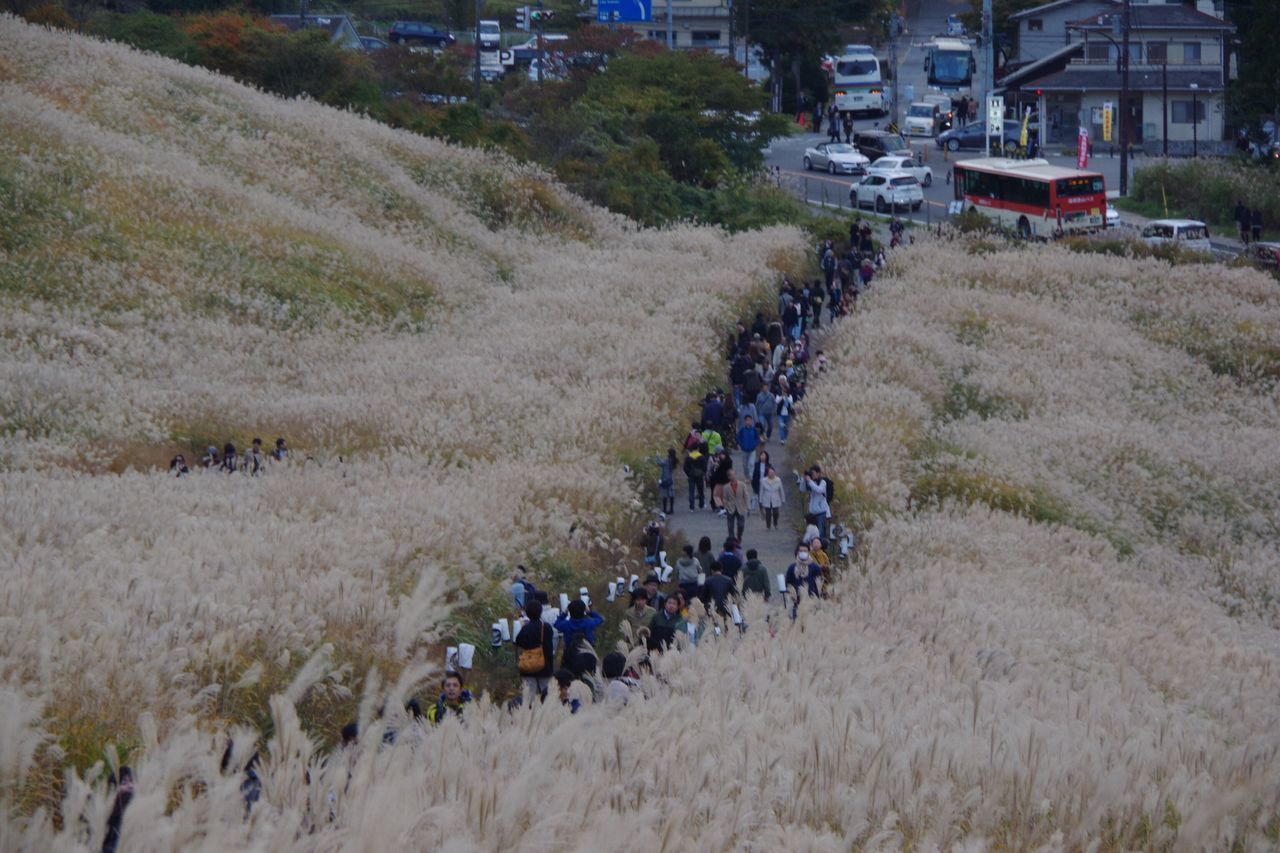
x=755 y=577
x=453 y=699
x=578 y=627
x=535 y=647
x=695 y=468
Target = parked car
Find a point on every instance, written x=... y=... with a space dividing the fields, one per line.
x=974 y=136
x=955 y=26
x=1264 y=256
x=836 y=157
x=894 y=190
x=875 y=144
x=909 y=164
x=923 y=119
x=371 y=43
x=1190 y=234
x=418 y=34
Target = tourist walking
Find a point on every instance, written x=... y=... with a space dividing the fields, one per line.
x=667 y=480
x=737 y=503
x=771 y=498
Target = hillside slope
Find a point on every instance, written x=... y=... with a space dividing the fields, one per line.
x=460 y=354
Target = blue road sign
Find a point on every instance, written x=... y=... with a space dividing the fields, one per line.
x=615 y=11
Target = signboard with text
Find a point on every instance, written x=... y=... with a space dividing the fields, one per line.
x=1106 y=121
x=619 y=11
x=995 y=115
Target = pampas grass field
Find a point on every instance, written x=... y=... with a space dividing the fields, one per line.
x=1059 y=631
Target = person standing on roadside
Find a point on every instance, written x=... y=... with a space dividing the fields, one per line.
x=1255 y=223
x=1242 y=217
x=847 y=123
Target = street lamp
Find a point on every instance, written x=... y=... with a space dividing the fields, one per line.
x=1195 y=120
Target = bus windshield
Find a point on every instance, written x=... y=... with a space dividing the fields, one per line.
x=856 y=67
x=951 y=67
x=1083 y=185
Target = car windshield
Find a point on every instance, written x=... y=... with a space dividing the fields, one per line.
x=490 y=28
x=860 y=67
x=840 y=148
x=904 y=181
x=921 y=111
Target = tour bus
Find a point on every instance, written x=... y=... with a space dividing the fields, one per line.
x=856 y=81
x=1032 y=197
x=949 y=64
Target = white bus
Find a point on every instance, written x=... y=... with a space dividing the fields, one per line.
x=949 y=64
x=856 y=84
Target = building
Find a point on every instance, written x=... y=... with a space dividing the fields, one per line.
x=1043 y=30
x=1180 y=62
x=341 y=31
x=695 y=24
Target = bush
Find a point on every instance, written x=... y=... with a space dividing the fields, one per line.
x=1208 y=189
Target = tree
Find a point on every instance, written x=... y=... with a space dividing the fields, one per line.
x=1257 y=90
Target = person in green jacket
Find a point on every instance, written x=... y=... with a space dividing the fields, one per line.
x=755 y=577
x=666 y=624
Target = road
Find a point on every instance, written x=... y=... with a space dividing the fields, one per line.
x=925 y=20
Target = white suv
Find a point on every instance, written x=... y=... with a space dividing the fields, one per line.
x=1190 y=234
x=887 y=191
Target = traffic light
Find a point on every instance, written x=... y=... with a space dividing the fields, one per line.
x=541 y=15
x=522 y=18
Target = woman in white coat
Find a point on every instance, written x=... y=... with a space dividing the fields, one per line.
x=771 y=498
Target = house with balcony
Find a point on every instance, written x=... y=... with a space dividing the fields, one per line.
x=1180 y=63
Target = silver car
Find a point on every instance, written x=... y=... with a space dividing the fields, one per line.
x=887 y=191
x=838 y=158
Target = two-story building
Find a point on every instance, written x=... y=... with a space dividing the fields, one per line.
x=1180 y=62
x=695 y=24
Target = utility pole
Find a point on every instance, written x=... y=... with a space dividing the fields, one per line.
x=893 y=63
x=1124 y=101
x=1164 y=103
x=732 y=54
x=988 y=75
x=476 y=89
x=541 y=60
x=671 y=42
x=746 y=39
x=1195 y=120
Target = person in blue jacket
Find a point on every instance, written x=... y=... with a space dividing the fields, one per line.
x=579 y=627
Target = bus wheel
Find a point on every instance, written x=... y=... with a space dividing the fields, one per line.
x=1024 y=228
x=953 y=144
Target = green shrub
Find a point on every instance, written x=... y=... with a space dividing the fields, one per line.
x=1208 y=189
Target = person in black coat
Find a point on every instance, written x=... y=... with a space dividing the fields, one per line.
x=1255 y=221
x=1242 y=218
x=537 y=633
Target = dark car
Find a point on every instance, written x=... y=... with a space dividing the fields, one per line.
x=418 y=34
x=973 y=136
x=1264 y=256
x=879 y=143
x=371 y=43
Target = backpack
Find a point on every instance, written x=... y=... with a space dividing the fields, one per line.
x=533 y=661
x=831 y=490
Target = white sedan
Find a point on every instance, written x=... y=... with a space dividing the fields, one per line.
x=836 y=157
x=897 y=163
x=883 y=192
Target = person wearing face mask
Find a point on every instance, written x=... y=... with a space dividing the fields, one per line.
x=803 y=574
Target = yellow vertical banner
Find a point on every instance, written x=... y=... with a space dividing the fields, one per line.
x=1106 y=121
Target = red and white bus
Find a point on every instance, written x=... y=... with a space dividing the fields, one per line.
x=1032 y=197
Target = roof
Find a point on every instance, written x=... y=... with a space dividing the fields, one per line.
x=1102 y=77
x=1043 y=65
x=1157 y=16
x=1049 y=7
x=1179 y=223
x=1028 y=168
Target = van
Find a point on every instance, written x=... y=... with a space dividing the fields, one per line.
x=923 y=119
x=490 y=35
x=1190 y=234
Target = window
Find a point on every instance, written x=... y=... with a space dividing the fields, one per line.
x=1180 y=111
x=1191 y=53
x=704 y=38
x=1097 y=51
x=1157 y=52
x=1035 y=25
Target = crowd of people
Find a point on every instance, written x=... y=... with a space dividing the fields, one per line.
x=252 y=461
x=769 y=366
